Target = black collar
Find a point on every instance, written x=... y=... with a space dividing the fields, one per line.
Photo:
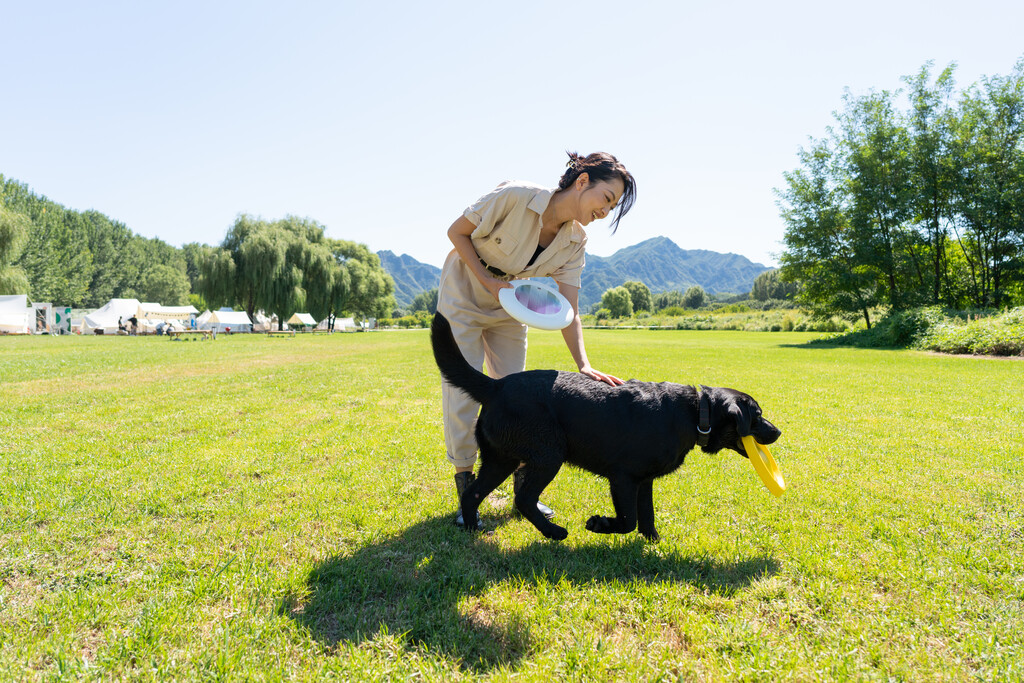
x=704 y=419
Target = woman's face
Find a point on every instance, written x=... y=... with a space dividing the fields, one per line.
x=597 y=200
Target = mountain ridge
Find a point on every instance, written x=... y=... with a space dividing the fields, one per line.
x=658 y=262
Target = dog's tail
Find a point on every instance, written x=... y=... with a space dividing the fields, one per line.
x=454 y=366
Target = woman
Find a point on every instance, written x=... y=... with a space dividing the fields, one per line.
x=518 y=231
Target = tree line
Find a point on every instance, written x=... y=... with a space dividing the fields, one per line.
x=920 y=205
x=84 y=259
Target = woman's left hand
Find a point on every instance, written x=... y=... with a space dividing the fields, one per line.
x=600 y=376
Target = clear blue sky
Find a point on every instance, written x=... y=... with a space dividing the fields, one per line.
x=383 y=121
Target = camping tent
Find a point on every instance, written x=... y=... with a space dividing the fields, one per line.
x=303 y=319
x=261 y=323
x=153 y=311
x=225 y=319
x=105 y=318
x=16 y=317
x=340 y=324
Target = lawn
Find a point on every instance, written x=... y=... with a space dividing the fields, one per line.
x=280 y=508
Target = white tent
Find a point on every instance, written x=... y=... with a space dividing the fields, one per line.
x=153 y=311
x=340 y=324
x=224 y=320
x=16 y=317
x=105 y=318
x=262 y=323
x=302 y=319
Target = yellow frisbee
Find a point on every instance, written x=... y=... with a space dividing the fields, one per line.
x=764 y=465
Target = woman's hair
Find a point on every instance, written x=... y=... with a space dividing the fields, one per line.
x=602 y=166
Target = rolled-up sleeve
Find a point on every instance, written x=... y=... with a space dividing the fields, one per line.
x=490 y=210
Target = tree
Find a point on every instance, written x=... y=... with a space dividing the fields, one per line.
x=989 y=184
x=371 y=290
x=930 y=123
x=770 y=285
x=165 y=285
x=820 y=243
x=640 y=295
x=878 y=175
x=14 y=229
x=425 y=301
x=663 y=300
x=618 y=302
x=694 y=297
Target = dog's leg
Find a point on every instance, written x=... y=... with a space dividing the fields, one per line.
x=645 y=510
x=624 y=498
x=492 y=472
x=535 y=480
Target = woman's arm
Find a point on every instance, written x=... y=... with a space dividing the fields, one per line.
x=573 y=335
x=459 y=234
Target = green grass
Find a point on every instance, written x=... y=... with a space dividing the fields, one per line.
x=254 y=508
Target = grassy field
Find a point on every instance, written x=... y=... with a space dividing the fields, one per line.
x=253 y=508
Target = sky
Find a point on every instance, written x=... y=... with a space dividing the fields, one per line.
x=383 y=121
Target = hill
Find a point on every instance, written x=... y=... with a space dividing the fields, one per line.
x=658 y=262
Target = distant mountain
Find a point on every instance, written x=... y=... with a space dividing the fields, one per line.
x=658 y=262
x=411 y=276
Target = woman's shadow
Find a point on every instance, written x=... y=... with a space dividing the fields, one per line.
x=414 y=583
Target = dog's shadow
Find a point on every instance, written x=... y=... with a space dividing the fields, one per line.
x=429 y=583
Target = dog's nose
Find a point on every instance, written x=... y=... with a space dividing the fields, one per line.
x=769 y=434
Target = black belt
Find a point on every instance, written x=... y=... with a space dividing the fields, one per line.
x=497 y=272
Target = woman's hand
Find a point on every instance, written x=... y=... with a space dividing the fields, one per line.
x=494 y=286
x=600 y=376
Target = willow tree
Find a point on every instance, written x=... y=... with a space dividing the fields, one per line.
x=13 y=234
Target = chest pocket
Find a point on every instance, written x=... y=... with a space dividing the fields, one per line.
x=504 y=242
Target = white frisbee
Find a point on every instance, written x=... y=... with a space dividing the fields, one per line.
x=536 y=304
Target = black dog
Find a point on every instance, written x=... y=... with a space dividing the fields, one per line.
x=630 y=434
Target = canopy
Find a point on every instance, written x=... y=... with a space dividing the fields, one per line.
x=157 y=312
x=229 y=318
x=224 y=320
x=105 y=318
x=302 y=319
x=340 y=324
x=15 y=315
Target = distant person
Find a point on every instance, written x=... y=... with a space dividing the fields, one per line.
x=135 y=325
x=520 y=230
x=120 y=323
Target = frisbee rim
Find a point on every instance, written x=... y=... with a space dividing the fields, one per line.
x=765 y=466
x=542 y=321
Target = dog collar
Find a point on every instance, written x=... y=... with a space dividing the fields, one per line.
x=704 y=419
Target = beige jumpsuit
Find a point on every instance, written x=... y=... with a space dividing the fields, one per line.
x=508 y=228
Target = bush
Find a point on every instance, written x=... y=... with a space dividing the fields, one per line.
x=997 y=335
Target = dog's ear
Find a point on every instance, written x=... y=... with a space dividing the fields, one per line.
x=740 y=412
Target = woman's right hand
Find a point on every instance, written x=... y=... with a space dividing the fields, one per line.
x=494 y=285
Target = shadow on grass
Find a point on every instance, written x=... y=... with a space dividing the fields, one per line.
x=413 y=584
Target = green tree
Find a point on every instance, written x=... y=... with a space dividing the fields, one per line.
x=695 y=297
x=640 y=295
x=425 y=301
x=770 y=285
x=989 y=185
x=371 y=290
x=165 y=285
x=820 y=243
x=618 y=302
x=14 y=229
x=663 y=300
x=878 y=175
x=930 y=124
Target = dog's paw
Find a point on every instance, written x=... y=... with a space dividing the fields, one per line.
x=651 y=535
x=556 y=533
x=599 y=524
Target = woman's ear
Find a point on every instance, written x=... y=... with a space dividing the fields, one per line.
x=582 y=180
